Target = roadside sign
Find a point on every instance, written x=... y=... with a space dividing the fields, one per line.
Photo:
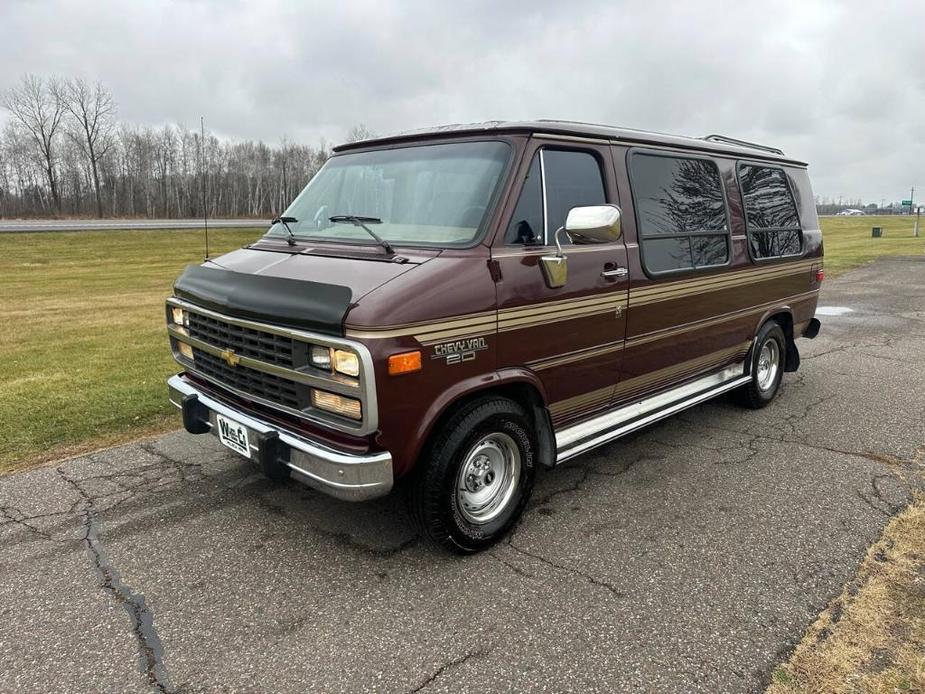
x=907 y=203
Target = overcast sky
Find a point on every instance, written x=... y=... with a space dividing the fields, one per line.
x=840 y=84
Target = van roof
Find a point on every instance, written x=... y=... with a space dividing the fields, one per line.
x=714 y=144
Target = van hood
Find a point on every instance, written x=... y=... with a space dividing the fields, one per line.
x=302 y=290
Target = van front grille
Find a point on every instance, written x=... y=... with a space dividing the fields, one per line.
x=251 y=382
x=269 y=364
x=249 y=342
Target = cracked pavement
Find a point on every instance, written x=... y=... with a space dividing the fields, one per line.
x=688 y=557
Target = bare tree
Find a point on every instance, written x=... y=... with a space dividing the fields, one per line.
x=358 y=133
x=37 y=107
x=91 y=112
x=122 y=169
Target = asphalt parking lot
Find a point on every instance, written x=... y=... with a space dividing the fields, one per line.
x=689 y=557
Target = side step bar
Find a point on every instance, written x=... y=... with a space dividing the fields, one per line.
x=606 y=427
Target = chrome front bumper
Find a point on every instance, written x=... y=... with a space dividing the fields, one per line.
x=342 y=475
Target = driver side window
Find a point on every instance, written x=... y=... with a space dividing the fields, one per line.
x=557 y=181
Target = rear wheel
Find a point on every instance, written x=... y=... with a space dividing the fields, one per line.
x=768 y=360
x=472 y=485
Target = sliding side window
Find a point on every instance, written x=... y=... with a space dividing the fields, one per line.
x=770 y=213
x=680 y=212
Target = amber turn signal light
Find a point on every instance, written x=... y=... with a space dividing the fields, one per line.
x=404 y=363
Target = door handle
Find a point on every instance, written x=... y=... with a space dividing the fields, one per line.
x=611 y=271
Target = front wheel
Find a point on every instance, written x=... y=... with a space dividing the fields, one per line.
x=475 y=480
x=768 y=359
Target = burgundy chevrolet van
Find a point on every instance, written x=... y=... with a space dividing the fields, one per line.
x=454 y=308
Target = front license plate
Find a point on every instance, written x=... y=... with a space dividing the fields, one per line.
x=233 y=435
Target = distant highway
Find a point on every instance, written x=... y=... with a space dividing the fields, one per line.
x=29 y=225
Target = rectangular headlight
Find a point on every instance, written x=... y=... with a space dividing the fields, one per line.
x=338 y=404
x=346 y=363
x=180 y=317
x=321 y=357
x=185 y=350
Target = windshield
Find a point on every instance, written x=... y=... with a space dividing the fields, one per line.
x=428 y=195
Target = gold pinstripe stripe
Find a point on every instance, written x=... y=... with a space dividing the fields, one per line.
x=655 y=379
x=735 y=315
x=746 y=272
x=526 y=319
x=639 y=390
x=465 y=331
x=580 y=402
x=534 y=314
x=647 y=381
x=515 y=318
x=649 y=295
x=545 y=319
x=483 y=323
x=726 y=279
x=578 y=355
x=424 y=327
x=562 y=303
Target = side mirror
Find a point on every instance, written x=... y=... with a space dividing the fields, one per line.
x=589 y=224
x=594 y=223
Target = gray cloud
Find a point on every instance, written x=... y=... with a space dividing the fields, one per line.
x=839 y=84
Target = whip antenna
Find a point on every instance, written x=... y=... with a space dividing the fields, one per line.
x=202 y=169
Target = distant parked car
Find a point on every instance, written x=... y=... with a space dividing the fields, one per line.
x=851 y=213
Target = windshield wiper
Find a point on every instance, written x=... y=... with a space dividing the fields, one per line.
x=359 y=221
x=285 y=222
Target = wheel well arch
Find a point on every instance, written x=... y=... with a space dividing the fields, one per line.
x=523 y=388
x=783 y=316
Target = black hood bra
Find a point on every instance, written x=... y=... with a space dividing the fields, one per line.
x=297 y=304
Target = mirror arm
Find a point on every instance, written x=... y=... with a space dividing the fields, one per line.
x=555 y=237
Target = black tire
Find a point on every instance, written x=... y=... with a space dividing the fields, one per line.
x=432 y=490
x=758 y=392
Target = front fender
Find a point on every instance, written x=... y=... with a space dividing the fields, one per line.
x=456 y=393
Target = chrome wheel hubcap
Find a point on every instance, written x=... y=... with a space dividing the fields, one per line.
x=768 y=365
x=488 y=478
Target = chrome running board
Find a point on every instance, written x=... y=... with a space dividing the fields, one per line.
x=611 y=425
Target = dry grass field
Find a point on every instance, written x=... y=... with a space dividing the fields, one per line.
x=871 y=637
x=83 y=355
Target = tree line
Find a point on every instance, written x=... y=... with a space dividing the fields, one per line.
x=826 y=205
x=63 y=151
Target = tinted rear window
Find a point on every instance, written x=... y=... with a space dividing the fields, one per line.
x=770 y=212
x=681 y=212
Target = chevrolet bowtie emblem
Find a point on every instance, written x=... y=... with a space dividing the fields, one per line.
x=230 y=357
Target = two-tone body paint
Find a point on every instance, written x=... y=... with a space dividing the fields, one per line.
x=590 y=345
x=483 y=316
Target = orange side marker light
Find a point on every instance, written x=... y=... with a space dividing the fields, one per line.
x=404 y=363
